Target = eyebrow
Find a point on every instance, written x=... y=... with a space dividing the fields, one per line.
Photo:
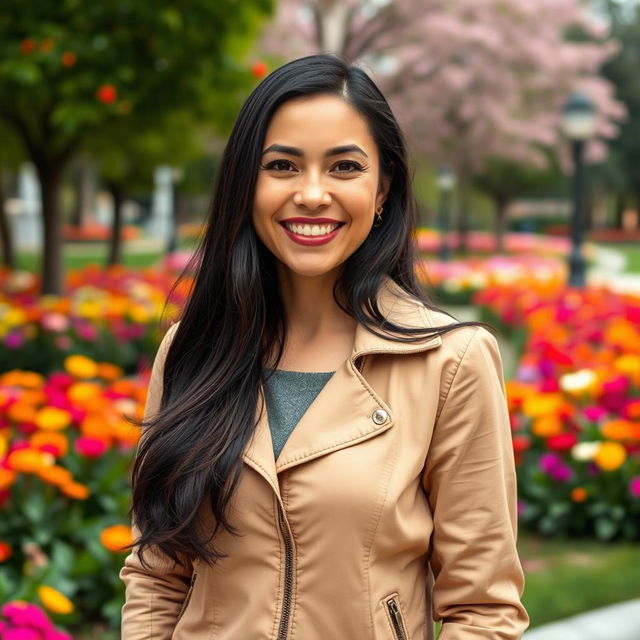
x=335 y=151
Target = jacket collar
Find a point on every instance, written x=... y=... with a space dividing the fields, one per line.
x=401 y=309
x=342 y=414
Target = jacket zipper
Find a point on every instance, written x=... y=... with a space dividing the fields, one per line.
x=288 y=579
x=188 y=596
x=396 y=618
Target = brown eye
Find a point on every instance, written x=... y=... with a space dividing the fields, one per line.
x=352 y=166
x=278 y=165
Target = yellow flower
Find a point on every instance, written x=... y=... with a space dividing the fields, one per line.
x=54 y=601
x=610 y=456
x=81 y=367
x=83 y=392
x=542 y=404
x=53 y=419
x=116 y=537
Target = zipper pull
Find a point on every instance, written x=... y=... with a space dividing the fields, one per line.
x=395 y=612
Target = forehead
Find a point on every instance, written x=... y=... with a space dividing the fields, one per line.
x=320 y=121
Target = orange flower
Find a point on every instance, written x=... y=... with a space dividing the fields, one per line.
x=53 y=419
x=56 y=475
x=31 y=380
x=579 y=494
x=19 y=412
x=116 y=537
x=54 y=601
x=52 y=439
x=29 y=460
x=547 y=425
x=33 y=397
x=95 y=426
x=633 y=410
x=610 y=456
x=7 y=478
x=75 y=490
x=108 y=371
x=617 y=430
x=81 y=367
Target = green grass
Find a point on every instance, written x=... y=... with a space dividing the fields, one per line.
x=631 y=250
x=564 y=578
x=31 y=261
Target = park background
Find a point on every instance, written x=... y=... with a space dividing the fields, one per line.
x=523 y=122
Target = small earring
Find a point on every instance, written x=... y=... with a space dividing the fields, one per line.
x=379 y=214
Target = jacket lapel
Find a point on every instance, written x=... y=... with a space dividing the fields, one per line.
x=343 y=412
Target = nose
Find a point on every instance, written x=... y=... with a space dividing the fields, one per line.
x=312 y=192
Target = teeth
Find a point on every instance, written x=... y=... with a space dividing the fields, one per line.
x=311 y=229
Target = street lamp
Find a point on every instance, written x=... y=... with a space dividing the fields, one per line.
x=578 y=124
x=446 y=183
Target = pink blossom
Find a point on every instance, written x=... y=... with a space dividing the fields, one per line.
x=56 y=322
x=616 y=385
x=21 y=633
x=634 y=487
x=561 y=473
x=549 y=461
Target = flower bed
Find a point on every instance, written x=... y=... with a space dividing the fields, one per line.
x=456 y=281
x=107 y=314
x=575 y=407
x=65 y=448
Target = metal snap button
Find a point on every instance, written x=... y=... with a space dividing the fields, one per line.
x=379 y=416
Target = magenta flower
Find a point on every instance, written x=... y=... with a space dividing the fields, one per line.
x=21 y=633
x=90 y=447
x=616 y=385
x=634 y=487
x=14 y=340
x=549 y=461
x=594 y=413
x=561 y=473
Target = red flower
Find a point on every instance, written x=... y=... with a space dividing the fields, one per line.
x=5 y=551
x=521 y=443
x=28 y=46
x=107 y=93
x=68 y=59
x=561 y=442
x=259 y=69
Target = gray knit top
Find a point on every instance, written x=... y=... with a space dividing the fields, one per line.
x=288 y=395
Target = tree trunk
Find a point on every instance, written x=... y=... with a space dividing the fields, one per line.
x=115 y=243
x=6 y=238
x=52 y=268
x=84 y=187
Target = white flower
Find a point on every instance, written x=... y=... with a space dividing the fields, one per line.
x=578 y=381
x=585 y=451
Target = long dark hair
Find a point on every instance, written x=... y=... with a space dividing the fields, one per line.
x=233 y=323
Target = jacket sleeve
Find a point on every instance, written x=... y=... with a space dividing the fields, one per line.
x=470 y=481
x=153 y=597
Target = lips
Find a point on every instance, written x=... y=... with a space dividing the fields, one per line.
x=312 y=241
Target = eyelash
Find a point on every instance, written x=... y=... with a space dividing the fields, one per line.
x=355 y=165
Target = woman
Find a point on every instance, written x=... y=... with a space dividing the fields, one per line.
x=326 y=455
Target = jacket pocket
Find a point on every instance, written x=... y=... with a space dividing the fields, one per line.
x=392 y=608
x=185 y=604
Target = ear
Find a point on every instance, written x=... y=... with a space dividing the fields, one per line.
x=383 y=188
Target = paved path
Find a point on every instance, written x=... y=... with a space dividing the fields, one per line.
x=608 y=269
x=616 y=622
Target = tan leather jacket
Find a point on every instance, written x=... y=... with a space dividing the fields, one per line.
x=392 y=503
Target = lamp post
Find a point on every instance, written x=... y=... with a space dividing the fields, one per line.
x=446 y=183
x=579 y=124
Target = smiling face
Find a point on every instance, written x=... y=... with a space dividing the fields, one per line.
x=318 y=185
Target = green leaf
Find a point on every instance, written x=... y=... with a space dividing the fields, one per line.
x=605 y=528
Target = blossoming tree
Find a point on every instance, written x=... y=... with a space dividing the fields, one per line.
x=470 y=80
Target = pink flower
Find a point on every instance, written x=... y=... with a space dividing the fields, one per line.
x=549 y=461
x=634 y=487
x=561 y=442
x=616 y=385
x=90 y=447
x=55 y=322
x=561 y=473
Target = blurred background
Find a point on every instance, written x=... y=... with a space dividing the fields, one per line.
x=523 y=122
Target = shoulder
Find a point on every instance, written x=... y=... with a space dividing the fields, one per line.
x=168 y=338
